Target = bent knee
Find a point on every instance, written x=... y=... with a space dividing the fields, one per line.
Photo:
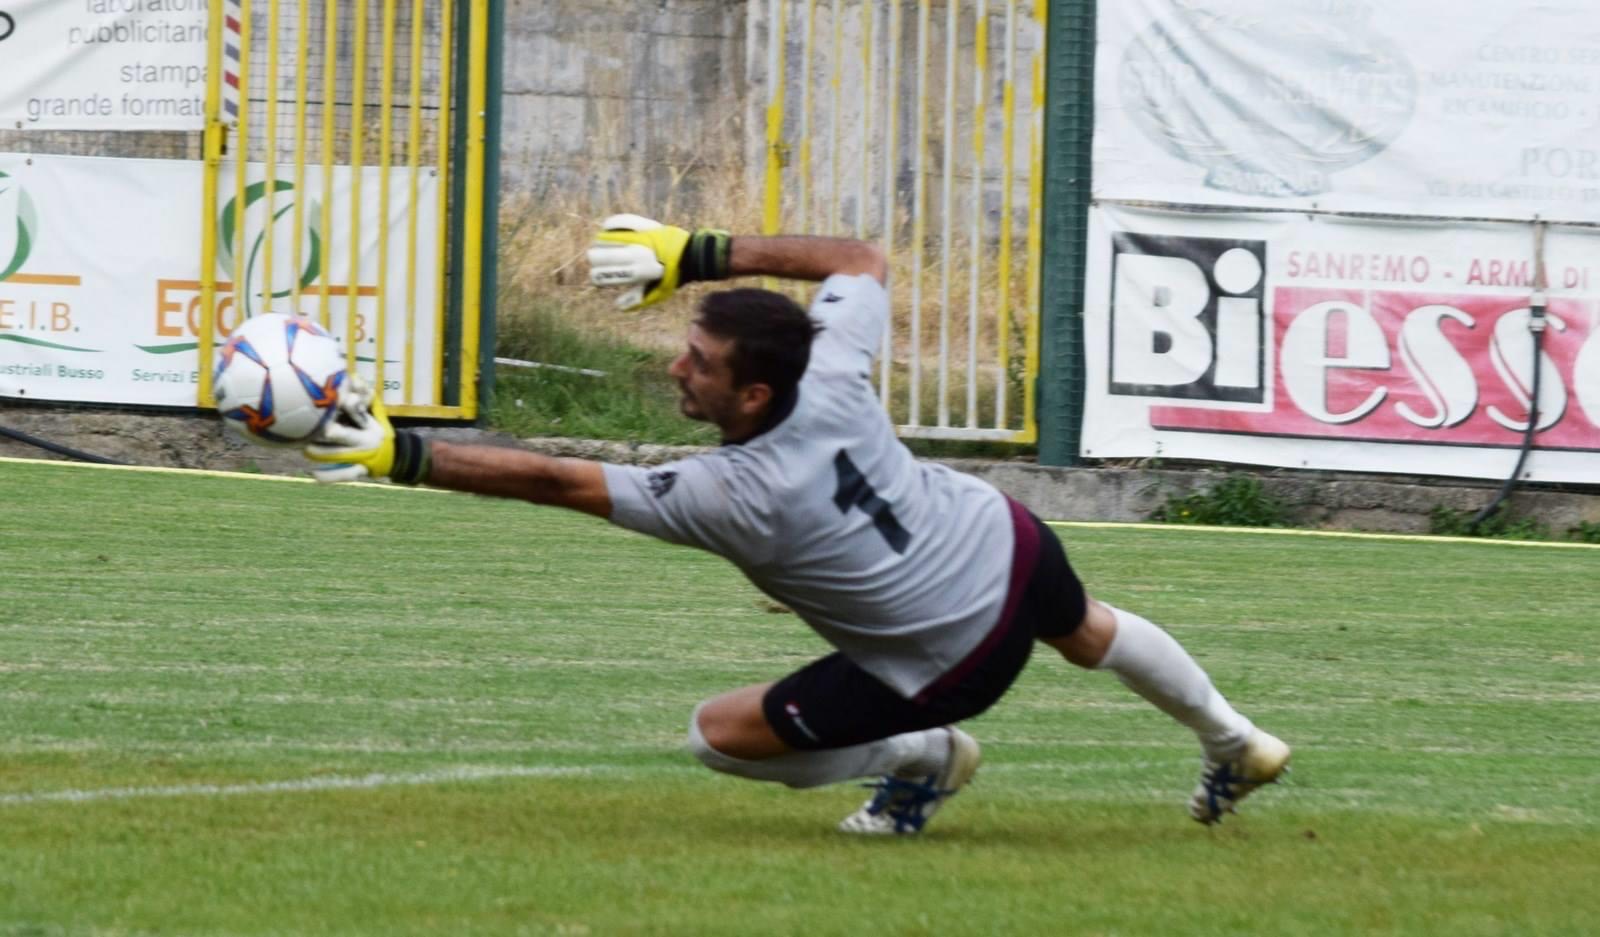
x=707 y=737
x=704 y=733
x=1087 y=644
x=735 y=725
x=713 y=727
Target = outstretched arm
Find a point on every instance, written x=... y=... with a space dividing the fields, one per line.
x=578 y=484
x=362 y=443
x=805 y=258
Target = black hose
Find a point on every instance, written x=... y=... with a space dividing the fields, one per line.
x=1527 y=437
x=57 y=448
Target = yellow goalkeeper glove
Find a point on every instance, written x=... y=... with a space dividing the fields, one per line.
x=359 y=442
x=652 y=260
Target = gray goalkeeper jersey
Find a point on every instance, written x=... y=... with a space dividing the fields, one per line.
x=902 y=565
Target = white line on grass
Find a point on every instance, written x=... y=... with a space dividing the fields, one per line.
x=303 y=785
x=1108 y=525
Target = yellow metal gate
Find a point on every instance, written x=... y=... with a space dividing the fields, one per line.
x=339 y=184
x=921 y=123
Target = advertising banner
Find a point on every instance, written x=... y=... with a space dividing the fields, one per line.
x=1338 y=344
x=1468 y=109
x=100 y=275
x=103 y=64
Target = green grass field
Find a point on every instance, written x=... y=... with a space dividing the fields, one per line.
x=256 y=707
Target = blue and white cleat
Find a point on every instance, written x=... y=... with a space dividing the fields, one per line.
x=1263 y=760
x=902 y=806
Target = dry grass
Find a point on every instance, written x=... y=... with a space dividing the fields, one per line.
x=544 y=238
x=544 y=235
x=834 y=180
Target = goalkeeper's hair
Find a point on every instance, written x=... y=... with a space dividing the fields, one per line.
x=771 y=336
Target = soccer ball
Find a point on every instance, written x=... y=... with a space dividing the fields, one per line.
x=278 y=378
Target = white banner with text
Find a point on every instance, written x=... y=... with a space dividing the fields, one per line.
x=100 y=275
x=1335 y=344
x=103 y=64
x=1471 y=109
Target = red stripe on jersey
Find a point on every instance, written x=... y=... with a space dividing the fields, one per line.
x=1023 y=560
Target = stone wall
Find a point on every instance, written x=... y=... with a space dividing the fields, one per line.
x=1318 y=500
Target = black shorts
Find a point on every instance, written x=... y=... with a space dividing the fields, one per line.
x=832 y=703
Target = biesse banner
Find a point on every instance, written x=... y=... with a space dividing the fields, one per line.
x=100 y=278
x=1467 y=109
x=1340 y=344
x=103 y=64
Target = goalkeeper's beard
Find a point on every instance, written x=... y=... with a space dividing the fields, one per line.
x=688 y=405
x=715 y=409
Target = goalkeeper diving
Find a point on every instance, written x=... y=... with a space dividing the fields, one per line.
x=932 y=586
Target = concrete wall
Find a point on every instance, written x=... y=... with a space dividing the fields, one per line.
x=1321 y=500
x=663 y=103
x=623 y=101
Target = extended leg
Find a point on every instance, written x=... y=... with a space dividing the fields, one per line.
x=1152 y=664
x=1239 y=757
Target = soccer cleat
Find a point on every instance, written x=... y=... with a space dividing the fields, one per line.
x=902 y=806
x=1223 y=784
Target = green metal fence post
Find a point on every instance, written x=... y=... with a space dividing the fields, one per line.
x=489 y=295
x=1069 y=137
x=456 y=224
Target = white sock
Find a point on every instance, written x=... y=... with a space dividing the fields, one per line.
x=919 y=752
x=1150 y=663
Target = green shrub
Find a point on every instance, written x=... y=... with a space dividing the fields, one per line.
x=1235 y=501
x=1500 y=525
x=1585 y=532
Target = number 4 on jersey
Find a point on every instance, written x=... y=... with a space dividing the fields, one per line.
x=855 y=492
